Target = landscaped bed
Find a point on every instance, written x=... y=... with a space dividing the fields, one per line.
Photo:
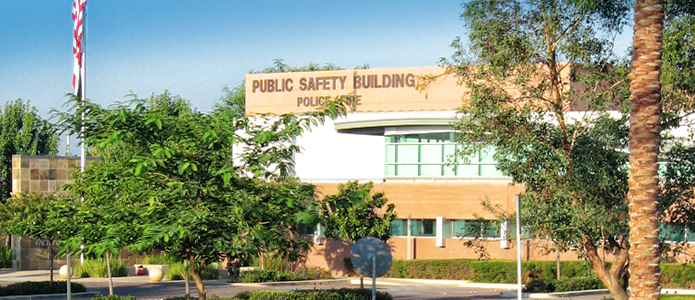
x=251 y=276
x=538 y=276
x=40 y=288
x=333 y=294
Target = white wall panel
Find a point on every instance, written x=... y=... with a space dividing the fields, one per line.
x=329 y=156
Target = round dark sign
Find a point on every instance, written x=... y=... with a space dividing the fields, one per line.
x=368 y=250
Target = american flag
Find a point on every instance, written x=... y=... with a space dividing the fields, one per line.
x=77 y=13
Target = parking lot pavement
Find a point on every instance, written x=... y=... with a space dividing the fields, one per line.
x=142 y=288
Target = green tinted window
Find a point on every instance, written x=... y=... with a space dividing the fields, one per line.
x=399 y=228
x=433 y=155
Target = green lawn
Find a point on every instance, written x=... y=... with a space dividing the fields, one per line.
x=677 y=297
x=670 y=297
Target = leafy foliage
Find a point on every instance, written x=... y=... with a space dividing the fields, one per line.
x=355 y=212
x=5 y=256
x=96 y=268
x=332 y=294
x=40 y=288
x=169 y=179
x=22 y=132
x=275 y=276
x=176 y=272
x=542 y=77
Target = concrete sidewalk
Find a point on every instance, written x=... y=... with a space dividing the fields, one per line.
x=45 y=275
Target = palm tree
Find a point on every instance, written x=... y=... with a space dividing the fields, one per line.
x=645 y=107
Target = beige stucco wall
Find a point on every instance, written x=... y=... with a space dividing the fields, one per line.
x=299 y=92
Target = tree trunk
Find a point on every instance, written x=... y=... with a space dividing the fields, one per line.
x=50 y=259
x=186 y=277
x=108 y=273
x=645 y=106
x=558 y=265
x=611 y=277
x=198 y=281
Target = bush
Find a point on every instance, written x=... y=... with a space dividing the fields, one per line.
x=492 y=271
x=114 y=297
x=40 y=288
x=176 y=272
x=349 y=267
x=582 y=283
x=678 y=276
x=158 y=260
x=333 y=294
x=96 y=268
x=274 y=276
x=457 y=269
x=5 y=256
x=540 y=286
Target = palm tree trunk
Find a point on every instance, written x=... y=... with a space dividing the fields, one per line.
x=645 y=106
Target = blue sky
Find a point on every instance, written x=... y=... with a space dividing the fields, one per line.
x=194 y=48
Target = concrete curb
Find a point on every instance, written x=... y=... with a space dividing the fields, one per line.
x=301 y=283
x=440 y=282
x=677 y=292
x=555 y=295
x=48 y=296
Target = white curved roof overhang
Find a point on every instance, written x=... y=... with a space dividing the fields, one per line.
x=396 y=122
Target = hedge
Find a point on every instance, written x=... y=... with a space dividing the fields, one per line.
x=491 y=271
x=678 y=276
x=40 y=288
x=273 y=275
x=332 y=294
x=504 y=271
x=114 y=297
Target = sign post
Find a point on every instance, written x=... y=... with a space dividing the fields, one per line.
x=518 y=246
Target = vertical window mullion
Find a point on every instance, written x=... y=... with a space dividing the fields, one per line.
x=443 y=159
x=480 y=162
x=395 y=166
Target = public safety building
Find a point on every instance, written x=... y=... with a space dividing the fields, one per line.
x=400 y=137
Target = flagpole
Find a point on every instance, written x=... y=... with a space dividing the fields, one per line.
x=83 y=79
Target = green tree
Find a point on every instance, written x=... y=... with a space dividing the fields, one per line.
x=173 y=169
x=356 y=212
x=521 y=60
x=560 y=141
x=40 y=216
x=22 y=132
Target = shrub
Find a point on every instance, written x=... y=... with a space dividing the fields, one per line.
x=114 y=297
x=678 y=276
x=581 y=283
x=96 y=268
x=333 y=294
x=458 y=269
x=40 y=288
x=273 y=276
x=540 y=286
x=492 y=271
x=176 y=272
x=5 y=256
x=349 y=267
x=158 y=260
